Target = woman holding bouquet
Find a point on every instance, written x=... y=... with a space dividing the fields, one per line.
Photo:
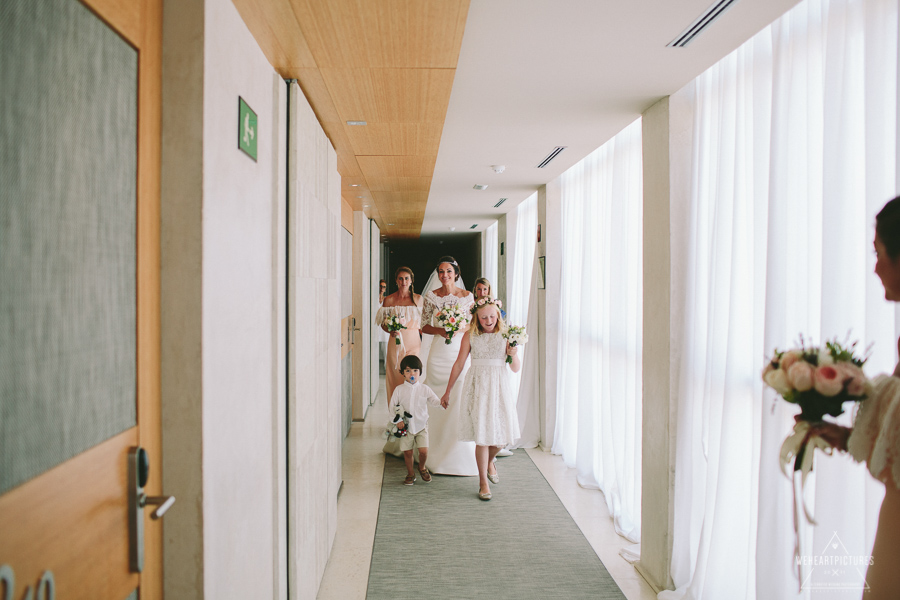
x=446 y=454
x=875 y=436
x=406 y=306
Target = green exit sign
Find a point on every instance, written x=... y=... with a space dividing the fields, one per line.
x=248 y=130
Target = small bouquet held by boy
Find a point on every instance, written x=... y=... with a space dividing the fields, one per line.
x=395 y=323
x=450 y=319
x=410 y=402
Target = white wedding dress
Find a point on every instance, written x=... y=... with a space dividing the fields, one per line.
x=446 y=454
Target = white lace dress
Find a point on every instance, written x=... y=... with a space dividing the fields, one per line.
x=488 y=415
x=446 y=454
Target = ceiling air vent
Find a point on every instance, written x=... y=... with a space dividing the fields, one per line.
x=551 y=156
x=502 y=200
x=474 y=226
x=703 y=21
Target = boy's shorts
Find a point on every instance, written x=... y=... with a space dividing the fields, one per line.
x=414 y=440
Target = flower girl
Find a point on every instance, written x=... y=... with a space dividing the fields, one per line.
x=488 y=412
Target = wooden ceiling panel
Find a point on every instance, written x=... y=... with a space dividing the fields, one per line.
x=383 y=33
x=274 y=25
x=390 y=63
x=396 y=166
x=390 y=95
x=399 y=184
x=397 y=139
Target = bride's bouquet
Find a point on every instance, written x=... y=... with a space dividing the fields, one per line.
x=450 y=319
x=395 y=323
x=819 y=380
x=515 y=335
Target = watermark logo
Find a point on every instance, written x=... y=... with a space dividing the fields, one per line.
x=834 y=568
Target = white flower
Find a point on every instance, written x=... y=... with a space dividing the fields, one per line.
x=778 y=380
x=825 y=357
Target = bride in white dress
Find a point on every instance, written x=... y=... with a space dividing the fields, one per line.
x=446 y=454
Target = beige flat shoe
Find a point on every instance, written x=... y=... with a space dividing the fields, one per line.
x=484 y=496
x=495 y=478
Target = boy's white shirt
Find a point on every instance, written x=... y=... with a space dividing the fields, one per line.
x=415 y=398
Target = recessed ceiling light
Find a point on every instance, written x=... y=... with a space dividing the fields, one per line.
x=479 y=186
x=360 y=197
x=390 y=224
x=365 y=206
x=354 y=185
x=356 y=122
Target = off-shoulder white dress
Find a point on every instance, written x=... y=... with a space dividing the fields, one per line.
x=876 y=440
x=446 y=454
x=409 y=344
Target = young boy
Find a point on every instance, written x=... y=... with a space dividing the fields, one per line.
x=414 y=398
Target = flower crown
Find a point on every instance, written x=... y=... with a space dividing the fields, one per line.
x=484 y=301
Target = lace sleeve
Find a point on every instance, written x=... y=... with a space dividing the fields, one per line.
x=380 y=316
x=428 y=311
x=876 y=430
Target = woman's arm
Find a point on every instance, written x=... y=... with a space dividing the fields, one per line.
x=457 y=369
x=513 y=351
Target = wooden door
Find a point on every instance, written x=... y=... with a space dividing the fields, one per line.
x=79 y=293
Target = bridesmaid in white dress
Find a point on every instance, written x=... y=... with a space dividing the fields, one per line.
x=406 y=304
x=446 y=454
x=488 y=413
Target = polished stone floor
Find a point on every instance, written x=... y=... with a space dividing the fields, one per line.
x=347 y=572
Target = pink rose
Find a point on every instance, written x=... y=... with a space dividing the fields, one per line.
x=800 y=374
x=853 y=378
x=788 y=359
x=828 y=380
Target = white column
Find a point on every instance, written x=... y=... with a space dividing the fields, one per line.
x=362 y=312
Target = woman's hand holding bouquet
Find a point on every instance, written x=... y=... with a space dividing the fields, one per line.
x=451 y=319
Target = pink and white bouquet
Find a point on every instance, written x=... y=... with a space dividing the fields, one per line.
x=818 y=379
x=395 y=323
x=450 y=319
x=515 y=335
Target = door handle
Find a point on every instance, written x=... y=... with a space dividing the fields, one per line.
x=138 y=473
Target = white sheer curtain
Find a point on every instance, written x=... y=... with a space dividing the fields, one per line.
x=490 y=255
x=794 y=152
x=519 y=281
x=598 y=428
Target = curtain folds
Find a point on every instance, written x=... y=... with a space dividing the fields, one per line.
x=794 y=138
x=598 y=428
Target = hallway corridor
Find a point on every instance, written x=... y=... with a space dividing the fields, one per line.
x=347 y=572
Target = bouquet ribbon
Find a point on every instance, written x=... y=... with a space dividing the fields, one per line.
x=800 y=448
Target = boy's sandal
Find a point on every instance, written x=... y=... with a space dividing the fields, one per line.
x=410 y=479
x=426 y=476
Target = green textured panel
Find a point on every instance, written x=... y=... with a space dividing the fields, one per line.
x=68 y=164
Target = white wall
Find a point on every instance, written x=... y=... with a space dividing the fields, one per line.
x=315 y=305
x=224 y=390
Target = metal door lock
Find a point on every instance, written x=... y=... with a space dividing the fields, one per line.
x=138 y=474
